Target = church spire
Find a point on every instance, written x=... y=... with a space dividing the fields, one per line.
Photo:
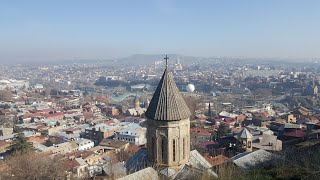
x=166 y=58
x=167 y=103
x=209 y=112
x=168 y=125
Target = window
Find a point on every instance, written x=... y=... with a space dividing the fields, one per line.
x=184 y=148
x=152 y=145
x=249 y=144
x=162 y=150
x=174 y=150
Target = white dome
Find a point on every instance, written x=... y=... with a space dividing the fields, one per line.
x=190 y=88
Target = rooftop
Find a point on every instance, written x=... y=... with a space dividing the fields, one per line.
x=244 y=134
x=167 y=103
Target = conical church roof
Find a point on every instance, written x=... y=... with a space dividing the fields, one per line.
x=167 y=103
x=244 y=134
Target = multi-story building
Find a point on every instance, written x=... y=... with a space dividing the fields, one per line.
x=84 y=144
x=72 y=103
x=134 y=134
x=101 y=131
x=6 y=131
x=62 y=148
x=198 y=135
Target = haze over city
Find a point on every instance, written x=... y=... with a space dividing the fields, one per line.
x=38 y=30
x=159 y=90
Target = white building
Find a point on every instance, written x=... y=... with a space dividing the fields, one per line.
x=84 y=144
x=134 y=134
x=13 y=84
x=73 y=103
x=38 y=86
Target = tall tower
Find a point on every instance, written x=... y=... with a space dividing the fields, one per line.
x=147 y=103
x=178 y=66
x=136 y=102
x=245 y=140
x=209 y=112
x=168 y=125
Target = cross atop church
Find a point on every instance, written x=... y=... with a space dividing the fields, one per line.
x=166 y=58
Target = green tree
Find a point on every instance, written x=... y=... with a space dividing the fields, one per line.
x=20 y=143
x=221 y=131
x=85 y=93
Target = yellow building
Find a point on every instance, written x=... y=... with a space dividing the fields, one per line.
x=291 y=118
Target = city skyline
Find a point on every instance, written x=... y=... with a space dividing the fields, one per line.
x=59 y=30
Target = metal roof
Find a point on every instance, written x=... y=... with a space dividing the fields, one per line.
x=138 y=161
x=253 y=159
x=244 y=134
x=144 y=174
x=167 y=103
x=198 y=161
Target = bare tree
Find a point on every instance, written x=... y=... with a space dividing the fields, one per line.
x=5 y=95
x=30 y=165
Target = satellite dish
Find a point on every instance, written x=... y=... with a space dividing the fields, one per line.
x=190 y=88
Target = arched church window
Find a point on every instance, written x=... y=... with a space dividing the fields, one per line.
x=163 y=150
x=184 y=148
x=174 y=149
x=152 y=146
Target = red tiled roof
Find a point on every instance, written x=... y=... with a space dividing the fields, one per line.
x=209 y=143
x=69 y=164
x=109 y=122
x=39 y=139
x=295 y=133
x=216 y=160
x=77 y=154
x=54 y=115
x=44 y=111
x=88 y=115
x=226 y=120
x=206 y=144
x=202 y=118
x=112 y=143
x=69 y=112
x=30 y=115
x=200 y=131
x=134 y=148
x=3 y=143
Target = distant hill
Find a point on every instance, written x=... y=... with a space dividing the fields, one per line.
x=147 y=58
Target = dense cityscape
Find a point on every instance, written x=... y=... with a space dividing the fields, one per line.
x=159 y=90
x=92 y=118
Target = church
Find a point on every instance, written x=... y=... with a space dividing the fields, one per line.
x=168 y=154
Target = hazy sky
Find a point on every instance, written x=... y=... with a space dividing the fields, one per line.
x=92 y=29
